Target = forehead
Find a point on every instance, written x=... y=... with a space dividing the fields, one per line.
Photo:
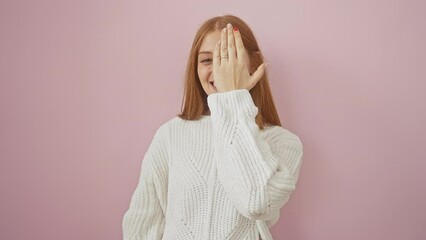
x=210 y=41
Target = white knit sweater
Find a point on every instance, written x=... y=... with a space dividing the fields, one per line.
x=218 y=177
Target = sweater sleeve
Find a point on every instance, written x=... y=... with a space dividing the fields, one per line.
x=145 y=217
x=258 y=171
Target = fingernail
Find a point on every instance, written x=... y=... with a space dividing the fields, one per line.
x=229 y=26
x=235 y=29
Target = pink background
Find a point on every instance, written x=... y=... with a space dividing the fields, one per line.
x=85 y=84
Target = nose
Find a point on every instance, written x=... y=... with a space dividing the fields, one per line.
x=210 y=69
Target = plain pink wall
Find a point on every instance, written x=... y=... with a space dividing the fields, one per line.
x=85 y=84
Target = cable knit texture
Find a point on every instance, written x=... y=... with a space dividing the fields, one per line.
x=218 y=177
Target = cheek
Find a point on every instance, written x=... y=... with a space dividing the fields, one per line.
x=202 y=72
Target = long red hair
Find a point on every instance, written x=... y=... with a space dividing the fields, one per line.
x=194 y=102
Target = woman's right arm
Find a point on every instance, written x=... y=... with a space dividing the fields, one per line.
x=145 y=217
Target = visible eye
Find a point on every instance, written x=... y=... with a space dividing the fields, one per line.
x=206 y=60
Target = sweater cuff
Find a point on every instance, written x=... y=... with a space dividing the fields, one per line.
x=232 y=103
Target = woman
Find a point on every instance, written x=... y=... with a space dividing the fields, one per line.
x=224 y=167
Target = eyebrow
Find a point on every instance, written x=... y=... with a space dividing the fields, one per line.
x=205 y=52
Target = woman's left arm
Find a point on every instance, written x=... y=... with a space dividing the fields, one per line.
x=258 y=170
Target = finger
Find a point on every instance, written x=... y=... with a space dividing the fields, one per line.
x=257 y=75
x=231 y=43
x=216 y=55
x=223 y=46
x=239 y=44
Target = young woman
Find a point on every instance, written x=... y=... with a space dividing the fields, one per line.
x=224 y=167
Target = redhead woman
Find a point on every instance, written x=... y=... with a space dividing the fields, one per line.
x=224 y=167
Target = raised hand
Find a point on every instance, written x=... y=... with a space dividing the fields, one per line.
x=230 y=65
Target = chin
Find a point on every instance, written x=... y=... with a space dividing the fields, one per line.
x=213 y=91
x=209 y=89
